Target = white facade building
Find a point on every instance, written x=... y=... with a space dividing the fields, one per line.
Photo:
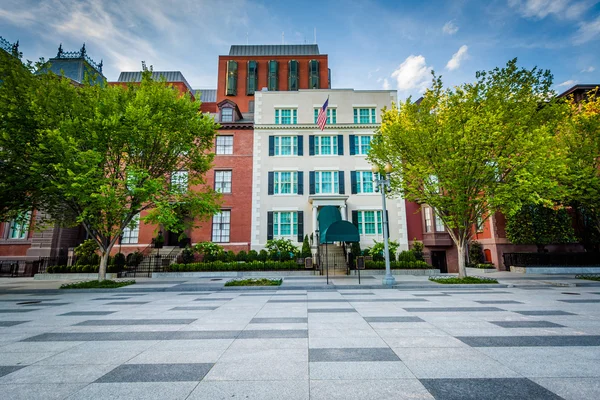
x=298 y=168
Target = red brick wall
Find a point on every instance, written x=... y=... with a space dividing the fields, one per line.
x=241 y=99
x=414 y=222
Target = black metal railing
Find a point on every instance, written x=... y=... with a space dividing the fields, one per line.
x=550 y=259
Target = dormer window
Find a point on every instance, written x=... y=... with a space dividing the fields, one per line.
x=227 y=114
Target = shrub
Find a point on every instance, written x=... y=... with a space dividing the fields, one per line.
x=397 y=265
x=230 y=256
x=235 y=266
x=305 y=248
x=417 y=249
x=119 y=260
x=252 y=256
x=475 y=253
x=263 y=255
x=241 y=256
x=378 y=248
x=134 y=259
x=280 y=249
x=86 y=251
x=187 y=255
x=407 y=255
x=209 y=249
x=222 y=257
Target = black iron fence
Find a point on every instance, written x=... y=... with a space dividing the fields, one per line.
x=12 y=268
x=547 y=259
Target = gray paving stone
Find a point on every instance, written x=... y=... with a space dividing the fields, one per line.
x=156 y=373
x=331 y=310
x=16 y=311
x=487 y=389
x=578 y=301
x=357 y=294
x=57 y=374
x=127 y=303
x=11 y=323
x=46 y=391
x=102 y=322
x=8 y=369
x=273 y=334
x=45 y=304
x=526 y=324
x=283 y=370
x=309 y=301
x=359 y=370
x=387 y=300
x=251 y=390
x=282 y=320
x=431 y=295
x=572 y=388
x=382 y=389
x=135 y=390
x=111 y=298
x=111 y=336
x=529 y=341
x=452 y=309
x=498 y=302
x=195 y=294
x=23 y=358
x=544 y=312
x=352 y=354
x=393 y=319
x=86 y=313
x=214 y=299
x=193 y=308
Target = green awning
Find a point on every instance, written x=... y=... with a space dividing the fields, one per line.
x=333 y=229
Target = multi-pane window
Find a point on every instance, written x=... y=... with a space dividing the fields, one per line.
x=479 y=223
x=439 y=224
x=326 y=145
x=362 y=144
x=286 y=116
x=132 y=231
x=179 y=181
x=286 y=145
x=428 y=220
x=227 y=114
x=331 y=115
x=19 y=227
x=221 y=226
x=224 y=145
x=327 y=182
x=285 y=223
x=364 y=116
x=370 y=223
x=232 y=69
x=285 y=182
x=364 y=182
x=223 y=181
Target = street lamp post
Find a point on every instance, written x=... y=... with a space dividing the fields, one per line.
x=383 y=186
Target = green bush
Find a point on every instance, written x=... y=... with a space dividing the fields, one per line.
x=407 y=255
x=86 y=251
x=73 y=269
x=252 y=255
x=263 y=255
x=417 y=249
x=475 y=254
x=398 y=265
x=306 y=248
x=119 y=259
x=134 y=259
x=230 y=256
x=187 y=255
x=235 y=266
x=241 y=256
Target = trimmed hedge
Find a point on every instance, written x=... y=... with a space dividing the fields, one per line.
x=81 y=269
x=235 y=266
x=398 y=265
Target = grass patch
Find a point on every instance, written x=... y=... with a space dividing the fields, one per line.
x=106 y=284
x=453 y=280
x=595 y=277
x=254 y=282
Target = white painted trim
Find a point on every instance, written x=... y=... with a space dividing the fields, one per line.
x=287 y=208
x=326 y=168
x=365 y=106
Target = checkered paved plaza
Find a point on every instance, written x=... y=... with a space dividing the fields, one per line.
x=432 y=343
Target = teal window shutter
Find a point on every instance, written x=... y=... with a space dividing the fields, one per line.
x=353 y=182
x=313 y=74
x=311 y=145
x=352 y=139
x=342 y=183
x=340 y=142
x=300 y=226
x=311 y=182
x=300 y=145
x=231 y=87
x=271 y=182
x=300 y=182
x=269 y=225
x=271 y=145
x=273 y=76
x=293 y=75
x=252 y=78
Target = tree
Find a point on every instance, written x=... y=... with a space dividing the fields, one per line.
x=475 y=149
x=540 y=225
x=306 y=248
x=111 y=152
x=581 y=137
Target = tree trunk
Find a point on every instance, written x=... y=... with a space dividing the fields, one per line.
x=103 y=266
x=462 y=270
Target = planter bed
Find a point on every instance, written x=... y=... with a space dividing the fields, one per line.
x=230 y=274
x=71 y=277
x=419 y=272
x=558 y=269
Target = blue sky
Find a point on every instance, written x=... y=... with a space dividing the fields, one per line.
x=371 y=44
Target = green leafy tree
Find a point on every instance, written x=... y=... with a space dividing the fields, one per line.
x=475 y=253
x=581 y=137
x=306 y=248
x=475 y=149
x=418 y=248
x=105 y=153
x=539 y=225
x=379 y=247
x=280 y=249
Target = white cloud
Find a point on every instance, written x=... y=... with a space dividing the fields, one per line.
x=588 y=69
x=457 y=58
x=540 y=9
x=386 y=84
x=570 y=82
x=18 y=17
x=587 y=31
x=450 y=28
x=413 y=73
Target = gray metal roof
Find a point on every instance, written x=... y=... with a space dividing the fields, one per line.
x=274 y=50
x=170 y=76
x=206 y=95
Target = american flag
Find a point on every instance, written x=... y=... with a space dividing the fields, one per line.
x=322 y=117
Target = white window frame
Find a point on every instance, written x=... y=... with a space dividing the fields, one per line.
x=278 y=146
x=359 y=148
x=18 y=229
x=224 y=145
x=277 y=216
x=335 y=184
x=227 y=117
x=223 y=181
x=293 y=117
x=179 y=181
x=361 y=181
x=333 y=145
x=372 y=115
x=428 y=220
x=331 y=115
x=131 y=233
x=221 y=227
x=439 y=224
x=362 y=223
x=277 y=183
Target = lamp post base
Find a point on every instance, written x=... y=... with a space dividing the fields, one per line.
x=389 y=280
